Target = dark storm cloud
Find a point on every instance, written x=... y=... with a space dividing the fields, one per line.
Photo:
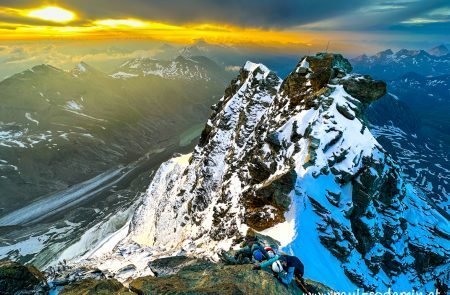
x=265 y=13
x=345 y=14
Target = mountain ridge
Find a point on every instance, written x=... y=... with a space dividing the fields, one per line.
x=389 y=65
x=294 y=160
x=79 y=146
x=182 y=67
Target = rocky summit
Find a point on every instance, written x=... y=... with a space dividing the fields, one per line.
x=294 y=159
x=183 y=275
x=204 y=277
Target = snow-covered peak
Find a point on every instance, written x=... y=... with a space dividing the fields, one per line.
x=294 y=160
x=182 y=67
x=82 y=69
x=123 y=75
x=304 y=64
x=440 y=50
x=251 y=67
x=385 y=53
x=45 y=68
x=192 y=51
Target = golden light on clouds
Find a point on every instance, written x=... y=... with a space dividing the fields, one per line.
x=35 y=24
x=139 y=29
x=118 y=23
x=52 y=14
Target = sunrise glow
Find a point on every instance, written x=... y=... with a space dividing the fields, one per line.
x=69 y=25
x=53 y=14
x=133 y=28
x=83 y=22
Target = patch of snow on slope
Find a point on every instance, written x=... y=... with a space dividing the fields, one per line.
x=82 y=68
x=73 y=105
x=320 y=264
x=123 y=75
x=29 y=117
x=165 y=182
x=84 y=115
x=105 y=236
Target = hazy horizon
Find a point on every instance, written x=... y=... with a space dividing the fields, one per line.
x=63 y=33
x=107 y=56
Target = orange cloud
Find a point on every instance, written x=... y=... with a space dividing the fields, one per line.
x=51 y=23
x=44 y=23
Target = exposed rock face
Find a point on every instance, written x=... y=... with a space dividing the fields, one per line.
x=295 y=160
x=226 y=146
x=19 y=279
x=184 y=275
x=209 y=278
x=266 y=205
x=366 y=89
x=94 y=287
x=171 y=265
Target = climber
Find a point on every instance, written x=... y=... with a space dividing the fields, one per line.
x=251 y=249
x=270 y=251
x=285 y=268
x=258 y=255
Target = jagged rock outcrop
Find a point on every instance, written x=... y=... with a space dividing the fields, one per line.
x=364 y=89
x=203 y=277
x=19 y=279
x=184 y=275
x=96 y=287
x=294 y=160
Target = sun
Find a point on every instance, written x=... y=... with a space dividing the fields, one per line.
x=53 y=14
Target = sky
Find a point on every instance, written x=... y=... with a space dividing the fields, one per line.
x=114 y=29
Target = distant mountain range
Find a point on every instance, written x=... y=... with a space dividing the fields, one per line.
x=58 y=128
x=229 y=56
x=389 y=65
x=412 y=121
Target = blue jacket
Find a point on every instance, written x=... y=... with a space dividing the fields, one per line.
x=292 y=263
x=249 y=249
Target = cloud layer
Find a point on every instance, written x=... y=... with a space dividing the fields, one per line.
x=261 y=23
x=259 y=13
x=353 y=14
x=381 y=15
